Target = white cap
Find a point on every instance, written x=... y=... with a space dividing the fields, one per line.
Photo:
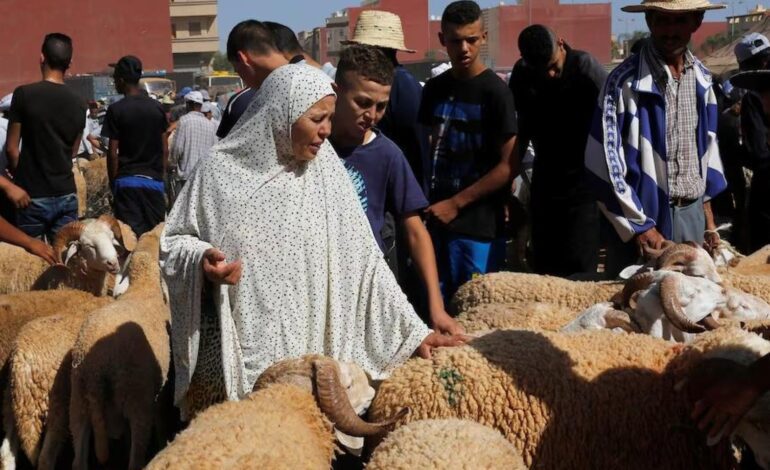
x=207 y=107
x=194 y=96
x=5 y=102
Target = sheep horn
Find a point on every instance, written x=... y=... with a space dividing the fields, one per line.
x=655 y=253
x=710 y=322
x=69 y=233
x=334 y=403
x=619 y=319
x=638 y=282
x=678 y=255
x=669 y=290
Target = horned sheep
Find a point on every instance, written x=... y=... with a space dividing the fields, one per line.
x=444 y=444
x=120 y=366
x=87 y=248
x=290 y=416
x=588 y=400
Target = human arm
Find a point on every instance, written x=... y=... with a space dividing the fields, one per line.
x=18 y=196
x=607 y=168
x=14 y=236
x=711 y=236
x=436 y=340
x=94 y=141
x=423 y=255
x=501 y=175
x=76 y=145
x=112 y=161
x=164 y=138
x=13 y=145
x=218 y=270
x=723 y=404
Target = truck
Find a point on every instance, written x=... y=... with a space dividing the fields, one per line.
x=220 y=83
x=93 y=87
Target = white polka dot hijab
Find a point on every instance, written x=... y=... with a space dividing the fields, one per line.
x=314 y=280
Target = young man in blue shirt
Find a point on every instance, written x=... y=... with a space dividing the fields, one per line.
x=378 y=168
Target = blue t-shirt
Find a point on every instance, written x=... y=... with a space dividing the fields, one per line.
x=383 y=181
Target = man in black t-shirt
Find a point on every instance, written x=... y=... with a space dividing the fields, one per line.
x=473 y=121
x=49 y=117
x=555 y=88
x=138 y=153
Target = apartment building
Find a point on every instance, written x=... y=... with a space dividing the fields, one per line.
x=194 y=34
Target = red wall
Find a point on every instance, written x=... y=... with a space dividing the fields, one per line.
x=101 y=31
x=706 y=30
x=414 y=18
x=584 y=26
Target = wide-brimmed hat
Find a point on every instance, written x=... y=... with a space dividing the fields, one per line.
x=757 y=80
x=380 y=29
x=673 y=6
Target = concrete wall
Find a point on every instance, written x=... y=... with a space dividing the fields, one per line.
x=101 y=30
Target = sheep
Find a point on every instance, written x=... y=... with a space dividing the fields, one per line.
x=445 y=444
x=503 y=288
x=80 y=191
x=286 y=421
x=277 y=427
x=757 y=263
x=120 y=366
x=671 y=305
x=589 y=400
x=97 y=186
x=17 y=310
x=517 y=315
x=88 y=248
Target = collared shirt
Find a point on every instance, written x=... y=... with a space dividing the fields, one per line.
x=684 y=175
x=194 y=138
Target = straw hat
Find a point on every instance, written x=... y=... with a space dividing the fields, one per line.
x=380 y=29
x=672 y=6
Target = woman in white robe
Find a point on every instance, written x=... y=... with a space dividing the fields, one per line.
x=273 y=219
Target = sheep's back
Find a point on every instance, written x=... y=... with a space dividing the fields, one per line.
x=277 y=427
x=757 y=285
x=504 y=288
x=445 y=444
x=18 y=269
x=602 y=399
x=518 y=315
x=39 y=375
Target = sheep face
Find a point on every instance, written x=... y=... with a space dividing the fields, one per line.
x=97 y=246
x=357 y=387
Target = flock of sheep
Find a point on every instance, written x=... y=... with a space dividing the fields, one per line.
x=560 y=374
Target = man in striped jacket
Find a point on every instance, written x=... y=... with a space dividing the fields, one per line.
x=652 y=155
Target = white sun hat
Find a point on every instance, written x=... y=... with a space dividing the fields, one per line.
x=380 y=29
x=673 y=6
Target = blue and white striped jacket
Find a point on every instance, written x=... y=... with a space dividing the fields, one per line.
x=626 y=149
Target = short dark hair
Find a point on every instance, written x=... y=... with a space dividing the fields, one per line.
x=368 y=61
x=57 y=51
x=252 y=36
x=284 y=38
x=537 y=45
x=461 y=13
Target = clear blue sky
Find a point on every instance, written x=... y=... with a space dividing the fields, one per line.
x=306 y=14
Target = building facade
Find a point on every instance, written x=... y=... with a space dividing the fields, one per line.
x=739 y=24
x=194 y=34
x=102 y=31
x=584 y=26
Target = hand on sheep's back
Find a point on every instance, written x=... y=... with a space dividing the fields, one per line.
x=218 y=270
x=436 y=340
x=445 y=324
x=43 y=250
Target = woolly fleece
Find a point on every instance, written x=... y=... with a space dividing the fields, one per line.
x=505 y=288
x=583 y=401
x=515 y=316
x=445 y=444
x=277 y=427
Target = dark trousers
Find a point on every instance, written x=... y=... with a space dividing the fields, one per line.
x=141 y=208
x=45 y=216
x=565 y=238
x=759 y=210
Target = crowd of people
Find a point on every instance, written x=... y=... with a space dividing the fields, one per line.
x=292 y=212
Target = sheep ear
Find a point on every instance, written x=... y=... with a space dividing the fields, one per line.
x=71 y=251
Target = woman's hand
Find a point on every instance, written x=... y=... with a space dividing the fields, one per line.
x=724 y=404
x=218 y=271
x=445 y=324
x=436 y=340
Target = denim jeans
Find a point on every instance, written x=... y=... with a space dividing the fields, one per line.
x=45 y=216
